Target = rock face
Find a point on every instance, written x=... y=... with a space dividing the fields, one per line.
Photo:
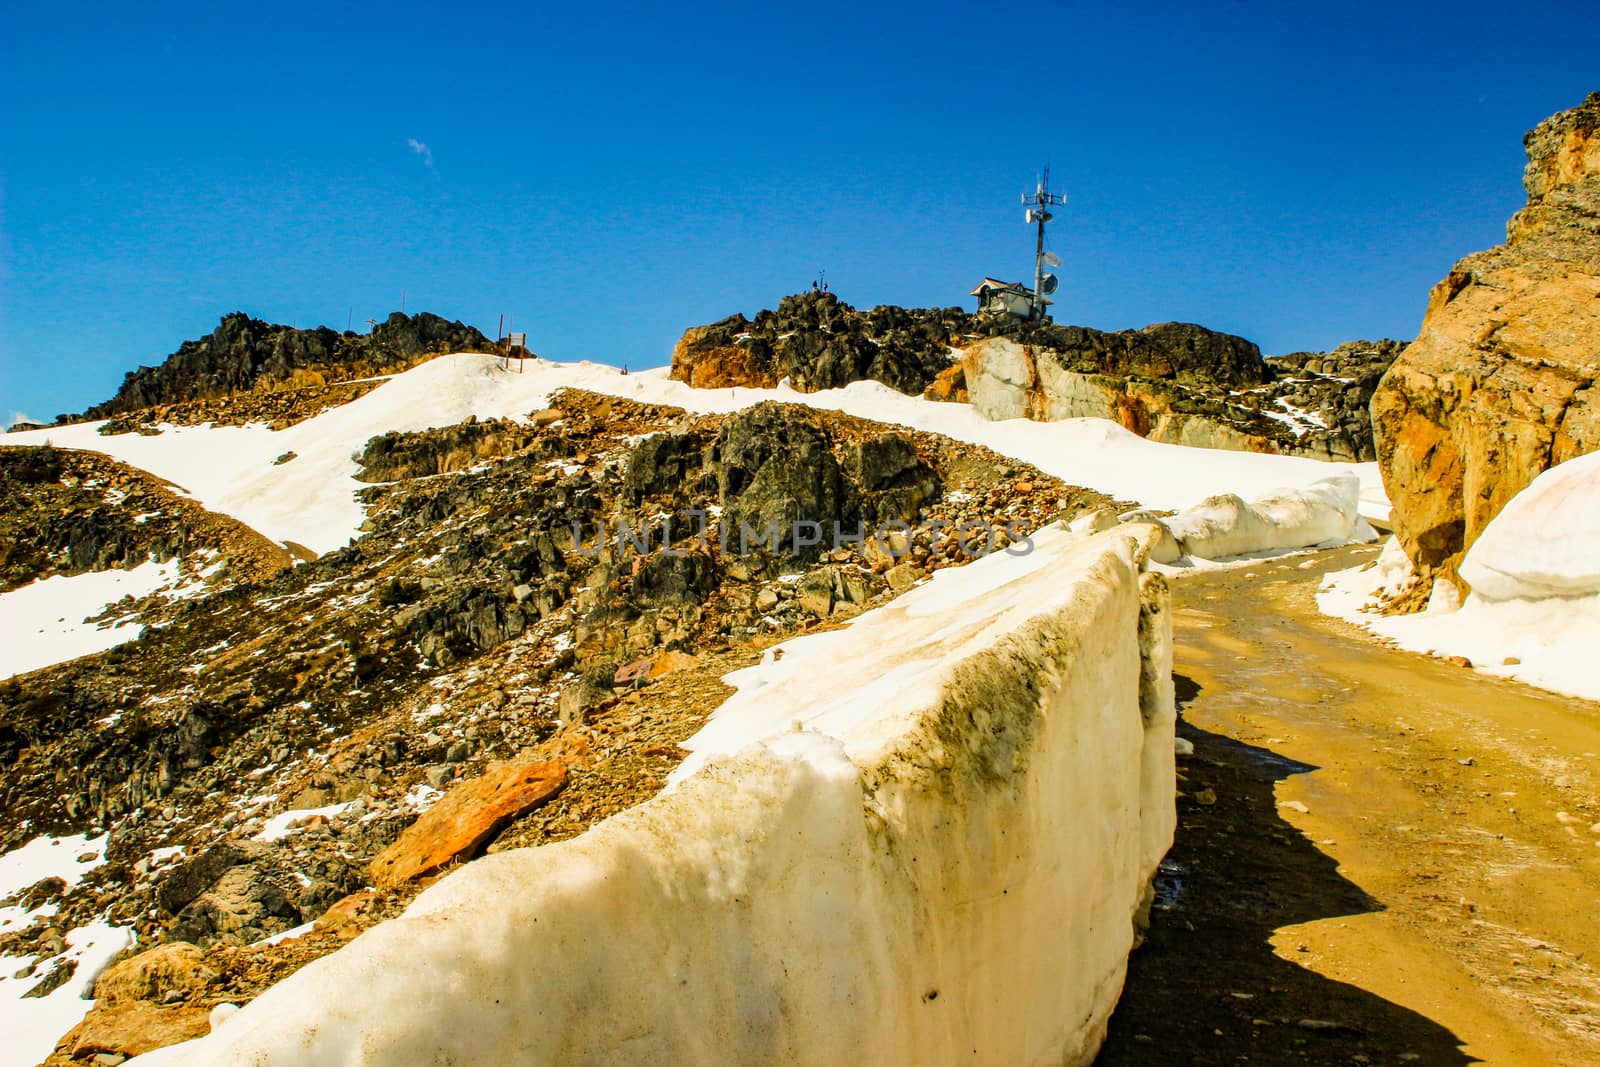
x=1500 y=383
x=242 y=353
x=1214 y=392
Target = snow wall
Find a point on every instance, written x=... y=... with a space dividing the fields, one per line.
x=935 y=849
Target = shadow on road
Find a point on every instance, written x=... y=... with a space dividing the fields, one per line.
x=1206 y=987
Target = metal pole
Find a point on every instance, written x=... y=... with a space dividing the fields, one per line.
x=1042 y=199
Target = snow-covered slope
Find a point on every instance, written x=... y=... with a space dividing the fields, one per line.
x=44 y=621
x=1534 y=610
x=308 y=500
x=923 y=839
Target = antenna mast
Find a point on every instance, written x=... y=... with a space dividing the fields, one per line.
x=1043 y=284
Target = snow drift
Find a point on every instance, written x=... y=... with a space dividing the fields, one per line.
x=1534 y=610
x=1220 y=527
x=1546 y=540
x=923 y=839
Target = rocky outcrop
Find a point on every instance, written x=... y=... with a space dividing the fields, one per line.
x=1007 y=380
x=1172 y=381
x=244 y=353
x=1500 y=382
x=817 y=341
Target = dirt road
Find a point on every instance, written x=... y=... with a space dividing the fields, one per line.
x=1381 y=858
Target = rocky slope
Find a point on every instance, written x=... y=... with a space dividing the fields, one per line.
x=243 y=353
x=1173 y=382
x=67 y=512
x=1500 y=382
x=481 y=627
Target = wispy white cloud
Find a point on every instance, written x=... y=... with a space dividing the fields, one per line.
x=422 y=150
x=16 y=417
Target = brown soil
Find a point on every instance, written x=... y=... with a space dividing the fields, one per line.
x=1435 y=901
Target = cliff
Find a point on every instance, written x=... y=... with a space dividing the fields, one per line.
x=1500 y=383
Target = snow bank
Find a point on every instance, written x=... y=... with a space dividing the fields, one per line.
x=1220 y=527
x=924 y=839
x=1546 y=540
x=1534 y=610
x=44 y=620
x=309 y=499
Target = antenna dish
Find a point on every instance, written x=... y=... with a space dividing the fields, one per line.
x=1051 y=259
x=1048 y=284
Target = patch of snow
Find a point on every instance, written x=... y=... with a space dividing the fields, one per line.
x=422 y=797
x=1323 y=513
x=41 y=858
x=44 y=621
x=279 y=826
x=1546 y=540
x=33 y=1026
x=286 y=935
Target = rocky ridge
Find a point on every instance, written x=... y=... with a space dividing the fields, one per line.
x=1500 y=383
x=243 y=353
x=1174 y=382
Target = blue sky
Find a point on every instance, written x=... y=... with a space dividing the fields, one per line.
x=609 y=174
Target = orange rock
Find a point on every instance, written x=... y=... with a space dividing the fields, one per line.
x=668 y=662
x=466 y=819
x=345 y=911
x=135 y=1028
x=155 y=972
x=949 y=385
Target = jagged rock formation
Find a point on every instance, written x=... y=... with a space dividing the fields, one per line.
x=1173 y=381
x=1500 y=382
x=817 y=341
x=244 y=353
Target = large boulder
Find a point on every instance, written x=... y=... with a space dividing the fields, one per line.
x=1500 y=382
x=1008 y=380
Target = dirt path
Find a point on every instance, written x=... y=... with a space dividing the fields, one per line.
x=1381 y=858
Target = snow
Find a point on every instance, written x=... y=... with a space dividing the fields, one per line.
x=923 y=845
x=1534 y=610
x=281 y=825
x=33 y=1026
x=1323 y=513
x=286 y=935
x=41 y=858
x=44 y=620
x=1546 y=540
x=310 y=500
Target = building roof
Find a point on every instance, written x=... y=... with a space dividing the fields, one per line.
x=1000 y=286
